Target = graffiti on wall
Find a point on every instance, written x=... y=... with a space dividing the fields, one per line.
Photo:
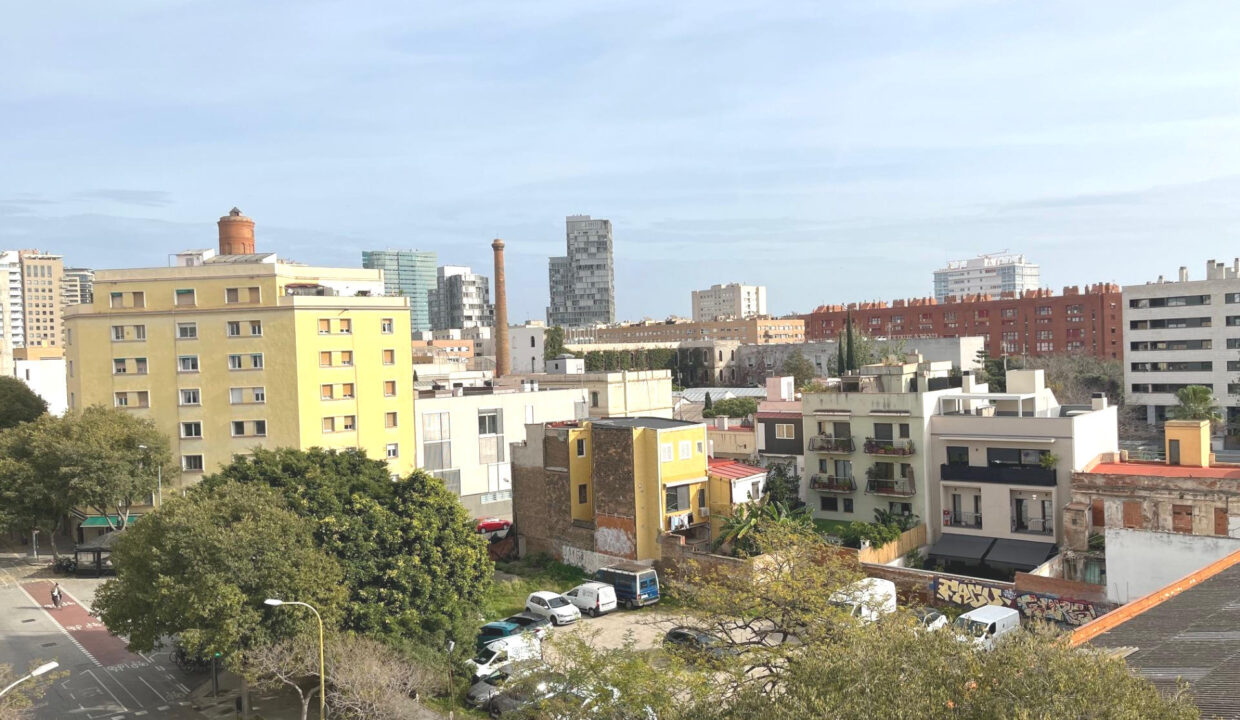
x=972 y=593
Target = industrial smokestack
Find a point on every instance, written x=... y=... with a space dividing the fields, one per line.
x=236 y=234
x=502 y=366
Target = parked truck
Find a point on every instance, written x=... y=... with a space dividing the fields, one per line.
x=636 y=585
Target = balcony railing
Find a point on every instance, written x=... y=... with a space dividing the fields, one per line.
x=1033 y=526
x=1004 y=474
x=833 y=483
x=831 y=444
x=963 y=520
x=879 y=446
x=900 y=487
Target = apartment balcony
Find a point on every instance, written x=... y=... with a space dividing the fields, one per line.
x=833 y=483
x=1000 y=474
x=963 y=520
x=879 y=446
x=830 y=444
x=896 y=487
x=1033 y=526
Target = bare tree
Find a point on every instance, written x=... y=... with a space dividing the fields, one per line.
x=288 y=663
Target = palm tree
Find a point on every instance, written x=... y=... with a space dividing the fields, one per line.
x=1196 y=403
x=751 y=517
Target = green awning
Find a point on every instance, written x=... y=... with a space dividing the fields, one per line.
x=99 y=521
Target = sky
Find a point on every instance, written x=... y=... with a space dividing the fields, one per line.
x=834 y=151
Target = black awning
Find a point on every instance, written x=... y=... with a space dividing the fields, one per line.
x=967 y=548
x=1022 y=555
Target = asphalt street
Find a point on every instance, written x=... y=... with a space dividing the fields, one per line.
x=104 y=681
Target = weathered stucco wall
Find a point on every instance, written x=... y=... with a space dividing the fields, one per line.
x=1142 y=561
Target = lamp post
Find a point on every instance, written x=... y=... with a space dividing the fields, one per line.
x=159 y=493
x=33 y=674
x=322 y=665
x=451 y=682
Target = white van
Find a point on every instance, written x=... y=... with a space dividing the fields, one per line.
x=500 y=652
x=985 y=625
x=867 y=599
x=593 y=598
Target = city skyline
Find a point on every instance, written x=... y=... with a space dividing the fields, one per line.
x=867 y=146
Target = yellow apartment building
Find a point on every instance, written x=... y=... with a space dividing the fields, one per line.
x=605 y=490
x=228 y=352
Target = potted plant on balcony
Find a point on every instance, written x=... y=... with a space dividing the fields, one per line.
x=1049 y=461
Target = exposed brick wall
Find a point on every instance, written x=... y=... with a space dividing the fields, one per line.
x=542 y=501
x=615 y=502
x=1157 y=496
x=676 y=555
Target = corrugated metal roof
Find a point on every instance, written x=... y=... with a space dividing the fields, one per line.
x=733 y=470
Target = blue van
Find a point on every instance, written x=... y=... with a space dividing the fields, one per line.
x=636 y=585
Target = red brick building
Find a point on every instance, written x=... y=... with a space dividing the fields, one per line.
x=1035 y=322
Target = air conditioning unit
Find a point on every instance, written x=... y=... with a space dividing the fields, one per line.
x=704 y=512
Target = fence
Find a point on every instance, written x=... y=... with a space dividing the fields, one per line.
x=909 y=540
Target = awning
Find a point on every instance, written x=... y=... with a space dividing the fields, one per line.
x=99 y=521
x=1021 y=555
x=967 y=548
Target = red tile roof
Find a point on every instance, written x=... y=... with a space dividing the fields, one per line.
x=1154 y=469
x=732 y=469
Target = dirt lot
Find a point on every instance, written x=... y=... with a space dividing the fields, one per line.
x=647 y=627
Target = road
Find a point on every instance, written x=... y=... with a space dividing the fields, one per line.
x=104 y=681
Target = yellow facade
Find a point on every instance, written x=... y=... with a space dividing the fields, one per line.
x=229 y=356
x=654 y=473
x=1192 y=442
x=579 y=473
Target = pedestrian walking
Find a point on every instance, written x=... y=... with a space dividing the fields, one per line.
x=56 y=595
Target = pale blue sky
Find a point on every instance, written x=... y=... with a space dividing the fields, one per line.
x=834 y=151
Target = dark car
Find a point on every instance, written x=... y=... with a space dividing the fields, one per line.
x=481 y=692
x=495 y=630
x=519 y=696
x=693 y=641
x=529 y=621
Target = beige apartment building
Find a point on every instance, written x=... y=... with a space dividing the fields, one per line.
x=42 y=297
x=622 y=393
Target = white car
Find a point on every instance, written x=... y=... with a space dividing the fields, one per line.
x=930 y=619
x=593 y=598
x=553 y=606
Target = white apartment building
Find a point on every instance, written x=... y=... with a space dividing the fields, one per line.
x=1001 y=470
x=867 y=444
x=582 y=282
x=1183 y=332
x=729 y=302
x=12 y=306
x=461 y=298
x=464 y=436
x=619 y=393
x=525 y=345
x=45 y=376
x=986 y=275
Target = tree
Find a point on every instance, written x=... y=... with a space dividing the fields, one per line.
x=1196 y=402
x=200 y=567
x=801 y=369
x=16 y=703
x=850 y=352
x=413 y=565
x=841 y=364
x=707 y=405
x=18 y=403
x=781 y=487
x=35 y=485
x=737 y=407
x=553 y=341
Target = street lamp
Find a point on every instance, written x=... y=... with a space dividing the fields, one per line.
x=159 y=497
x=33 y=674
x=322 y=666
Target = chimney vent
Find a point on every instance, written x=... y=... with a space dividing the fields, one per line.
x=1098 y=401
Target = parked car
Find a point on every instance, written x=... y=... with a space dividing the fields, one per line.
x=493 y=631
x=693 y=640
x=481 y=692
x=635 y=585
x=492 y=524
x=867 y=599
x=986 y=626
x=553 y=606
x=536 y=624
x=519 y=697
x=593 y=598
x=499 y=653
x=929 y=619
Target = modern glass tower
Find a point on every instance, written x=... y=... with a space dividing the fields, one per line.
x=407 y=273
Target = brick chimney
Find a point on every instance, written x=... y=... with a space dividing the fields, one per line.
x=236 y=234
x=502 y=366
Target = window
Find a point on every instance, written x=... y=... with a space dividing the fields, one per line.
x=325 y=359
x=325 y=326
x=488 y=422
x=848 y=505
x=260 y=428
x=1014 y=456
x=346 y=357
x=118 y=332
x=234 y=362
x=389 y=420
x=187 y=331
x=677 y=498
x=686 y=449
x=326 y=392
x=829 y=504
x=346 y=326
x=581 y=448
x=139 y=299
x=350 y=422
x=346 y=391
x=190 y=396
x=260 y=394
x=191 y=429
x=437 y=441
x=957 y=455
x=1007 y=313
x=232 y=295
x=120 y=399
x=116 y=300
x=785 y=431
x=389 y=388
x=256 y=327
x=187 y=363
x=1044 y=310
x=904 y=430
x=118 y=366
x=238 y=428
x=666 y=452
x=583 y=494
x=389 y=357
x=256 y=361
x=329 y=424
x=191 y=463
x=593 y=398
x=385 y=326
x=234 y=328
x=701 y=447
x=393 y=450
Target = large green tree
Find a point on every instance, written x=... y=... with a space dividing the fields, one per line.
x=18 y=403
x=737 y=407
x=800 y=368
x=414 y=567
x=201 y=566
x=553 y=341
